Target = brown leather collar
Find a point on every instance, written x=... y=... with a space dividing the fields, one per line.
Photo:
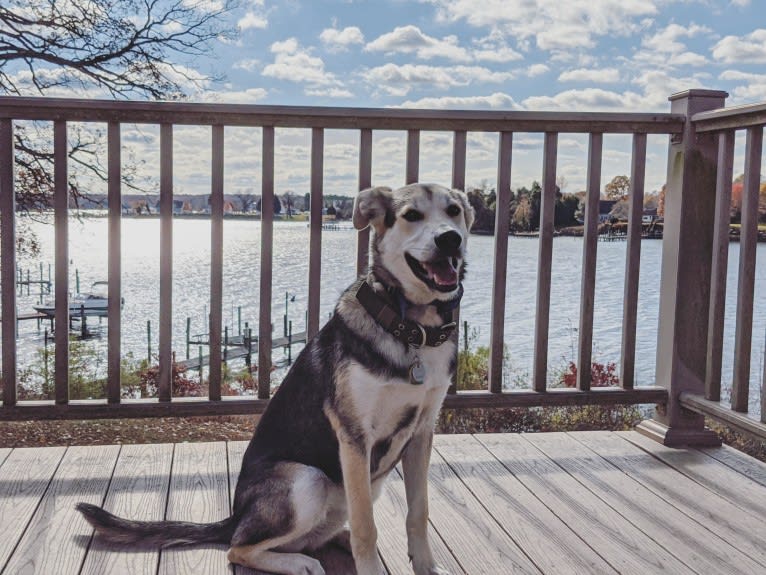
x=405 y=330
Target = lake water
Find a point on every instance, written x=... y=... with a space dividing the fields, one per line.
x=191 y=261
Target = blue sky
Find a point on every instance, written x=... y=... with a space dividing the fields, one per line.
x=545 y=54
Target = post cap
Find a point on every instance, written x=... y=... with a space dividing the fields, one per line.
x=699 y=93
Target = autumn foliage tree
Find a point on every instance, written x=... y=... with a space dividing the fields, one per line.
x=618 y=187
x=737 y=189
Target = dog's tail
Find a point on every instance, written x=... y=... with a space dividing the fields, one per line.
x=155 y=533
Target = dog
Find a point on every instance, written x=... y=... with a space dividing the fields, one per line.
x=362 y=396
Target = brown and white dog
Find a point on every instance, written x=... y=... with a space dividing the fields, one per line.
x=362 y=396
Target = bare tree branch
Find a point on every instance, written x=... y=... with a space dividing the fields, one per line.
x=124 y=48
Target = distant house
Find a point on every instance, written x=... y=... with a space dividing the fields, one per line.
x=178 y=206
x=605 y=208
x=649 y=216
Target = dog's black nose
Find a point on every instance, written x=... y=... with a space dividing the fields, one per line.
x=449 y=242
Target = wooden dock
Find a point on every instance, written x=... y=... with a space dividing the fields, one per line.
x=551 y=503
x=29 y=316
x=237 y=349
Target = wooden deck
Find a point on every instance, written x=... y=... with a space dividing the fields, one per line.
x=591 y=502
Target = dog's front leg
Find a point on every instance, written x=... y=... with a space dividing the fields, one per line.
x=355 y=464
x=415 y=462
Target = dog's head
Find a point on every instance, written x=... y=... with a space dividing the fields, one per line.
x=419 y=241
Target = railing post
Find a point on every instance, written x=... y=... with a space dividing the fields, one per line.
x=686 y=271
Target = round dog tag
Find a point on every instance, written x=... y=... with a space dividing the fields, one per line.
x=417 y=373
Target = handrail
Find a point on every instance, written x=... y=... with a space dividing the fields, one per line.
x=19 y=108
x=732 y=118
x=716 y=410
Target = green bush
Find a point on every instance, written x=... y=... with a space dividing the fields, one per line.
x=473 y=369
x=38 y=380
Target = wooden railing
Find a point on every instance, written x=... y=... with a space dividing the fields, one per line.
x=364 y=121
x=721 y=125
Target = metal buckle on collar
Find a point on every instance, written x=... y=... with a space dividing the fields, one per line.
x=446 y=330
x=423 y=336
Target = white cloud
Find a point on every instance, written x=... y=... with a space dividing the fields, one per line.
x=667 y=39
x=665 y=50
x=689 y=59
x=399 y=80
x=552 y=23
x=748 y=49
x=658 y=85
x=249 y=96
x=494 y=48
x=252 y=20
x=603 y=75
x=495 y=101
x=329 y=92
x=294 y=63
x=752 y=87
x=742 y=3
x=340 y=40
x=204 y=5
x=589 y=99
x=411 y=40
x=248 y=65
x=285 y=46
x=537 y=70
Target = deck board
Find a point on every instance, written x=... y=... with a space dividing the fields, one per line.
x=590 y=502
x=24 y=477
x=741 y=491
x=138 y=490
x=468 y=529
x=628 y=549
x=705 y=505
x=694 y=545
x=57 y=538
x=739 y=462
x=526 y=519
x=199 y=492
x=390 y=517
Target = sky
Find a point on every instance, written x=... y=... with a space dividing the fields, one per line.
x=600 y=55
x=573 y=55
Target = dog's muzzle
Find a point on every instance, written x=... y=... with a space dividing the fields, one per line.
x=441 y=271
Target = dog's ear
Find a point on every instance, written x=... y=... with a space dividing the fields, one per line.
x=373 y=206
x=468 y=212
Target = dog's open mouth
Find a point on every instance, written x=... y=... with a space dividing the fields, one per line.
x=440 y=274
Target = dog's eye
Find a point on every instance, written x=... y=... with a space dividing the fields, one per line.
x=453 y=210
x=413 y=215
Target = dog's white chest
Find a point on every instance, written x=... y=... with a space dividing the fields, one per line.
x=390 y=410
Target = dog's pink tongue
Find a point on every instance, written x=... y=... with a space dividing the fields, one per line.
x=443 y=272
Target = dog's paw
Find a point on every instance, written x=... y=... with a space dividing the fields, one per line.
x=428 y=569
x=432 y=571
x=306 y=566
x=370 y=567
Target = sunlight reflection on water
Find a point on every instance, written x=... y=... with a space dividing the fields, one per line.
x=191 y=269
